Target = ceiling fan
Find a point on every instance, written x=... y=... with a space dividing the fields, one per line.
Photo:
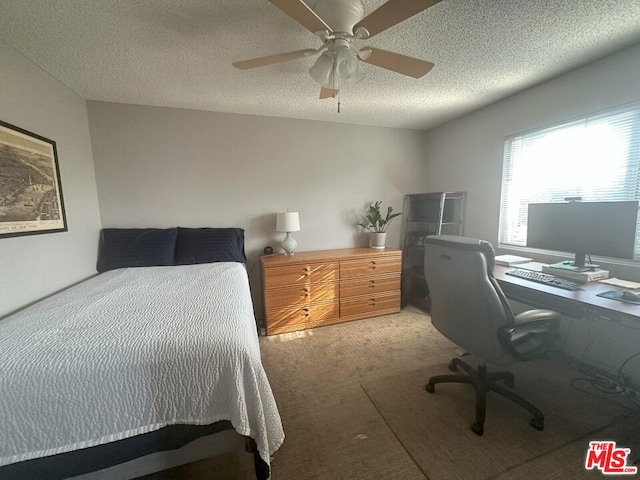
x=338 y=23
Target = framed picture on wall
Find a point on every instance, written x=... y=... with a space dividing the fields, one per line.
x=30 y=188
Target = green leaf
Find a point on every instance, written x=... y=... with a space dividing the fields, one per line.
x=375 y=222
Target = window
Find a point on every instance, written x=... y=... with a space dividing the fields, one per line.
x=596 y=158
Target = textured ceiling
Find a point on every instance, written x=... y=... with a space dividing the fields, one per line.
x=178 y=53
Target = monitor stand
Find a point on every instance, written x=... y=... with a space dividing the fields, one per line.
x=570 y=266
x=587 y=267
x=579 y=263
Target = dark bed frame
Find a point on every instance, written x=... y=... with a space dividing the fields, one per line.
x=86 y=460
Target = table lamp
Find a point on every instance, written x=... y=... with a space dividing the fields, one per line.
x=288 y=222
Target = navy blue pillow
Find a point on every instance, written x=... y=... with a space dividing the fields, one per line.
x=136 y=247
x=209 y=245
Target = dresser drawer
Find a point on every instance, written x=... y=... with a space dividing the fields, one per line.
x=370 y=304
x=369 y=286
x=301 y=273
x=299 y=318
x=299 y=294
x=375 y=266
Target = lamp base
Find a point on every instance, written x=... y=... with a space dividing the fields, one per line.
x=289 y=245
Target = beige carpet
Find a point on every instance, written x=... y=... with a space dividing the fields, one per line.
x=333 y=431
x=353 y=406
x=435 y=428
x=567 y=463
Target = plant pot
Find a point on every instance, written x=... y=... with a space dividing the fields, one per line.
x=377 y=240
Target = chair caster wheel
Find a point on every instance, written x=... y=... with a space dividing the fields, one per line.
x=537 y=423
x=478 y=429
x=452 y=367
x=429 y=388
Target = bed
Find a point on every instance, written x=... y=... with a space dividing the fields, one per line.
x=158 y=350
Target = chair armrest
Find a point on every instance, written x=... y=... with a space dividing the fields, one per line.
x=531 y=335
x=538 y=314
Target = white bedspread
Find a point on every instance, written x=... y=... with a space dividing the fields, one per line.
x=131 y=351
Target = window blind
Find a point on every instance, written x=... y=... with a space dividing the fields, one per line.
x=596 y=158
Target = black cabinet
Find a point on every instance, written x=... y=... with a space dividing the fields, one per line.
x=438 y=213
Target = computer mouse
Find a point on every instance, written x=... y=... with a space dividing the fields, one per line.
x=629 y=295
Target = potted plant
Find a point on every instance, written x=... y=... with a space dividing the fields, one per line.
x=377 y=224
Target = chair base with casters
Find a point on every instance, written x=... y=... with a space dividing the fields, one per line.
x=484 y=382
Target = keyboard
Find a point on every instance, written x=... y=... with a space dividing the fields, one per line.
x=545 y=278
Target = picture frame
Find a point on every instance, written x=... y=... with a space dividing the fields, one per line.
x=31 y=200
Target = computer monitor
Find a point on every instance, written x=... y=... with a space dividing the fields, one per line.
x=607 y=229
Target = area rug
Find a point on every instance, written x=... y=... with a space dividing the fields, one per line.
x=435 y=428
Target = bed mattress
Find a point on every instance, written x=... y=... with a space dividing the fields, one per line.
x=130 y=351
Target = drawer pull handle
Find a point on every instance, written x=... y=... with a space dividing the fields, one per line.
x=305 y=312
x=372 y=284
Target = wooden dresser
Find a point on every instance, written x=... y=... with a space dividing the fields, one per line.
x=313 y=289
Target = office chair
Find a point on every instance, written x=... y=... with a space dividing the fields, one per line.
x=469 y=308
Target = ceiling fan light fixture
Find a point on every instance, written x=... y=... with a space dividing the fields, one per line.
x=348 y=67
x=337 y=67
x=322 y=69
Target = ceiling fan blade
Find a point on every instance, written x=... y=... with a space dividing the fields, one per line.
x=271 y=59
x=410 y=66
x=327 y=93
x=301 y=13
x=392 y=13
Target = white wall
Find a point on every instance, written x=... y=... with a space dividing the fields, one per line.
x=467 y=154
x=35 y=266
x=161 y=167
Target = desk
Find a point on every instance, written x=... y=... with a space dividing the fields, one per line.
x=596 y=331
x=580 y=303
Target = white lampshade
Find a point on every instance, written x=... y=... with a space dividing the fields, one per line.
x=348 y=67
x=322 y=70
x=337 y=67
x=288 y=222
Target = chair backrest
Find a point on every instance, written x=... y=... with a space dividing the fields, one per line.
x=467 y=304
